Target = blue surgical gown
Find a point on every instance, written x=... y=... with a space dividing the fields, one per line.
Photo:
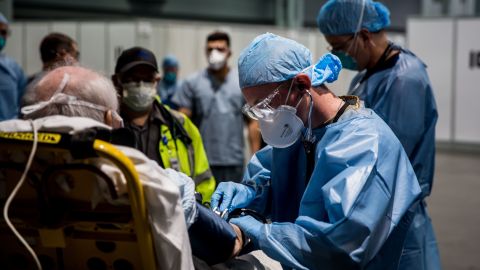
x=361 y=186
x=12 y=87
x=402 y=96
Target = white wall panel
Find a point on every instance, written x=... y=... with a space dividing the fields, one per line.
x=68 y=28
x=187 y=45
x=14 y=47
x=437 y=51
x=467 y=86
x=34 y=33
x=120 y=36
x=92 y=45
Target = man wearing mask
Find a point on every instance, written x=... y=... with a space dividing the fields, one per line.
x=169 y=83
x=394 y=83
x=12 y=78
x=163 y=135
x=334 y=180
x=212 y=98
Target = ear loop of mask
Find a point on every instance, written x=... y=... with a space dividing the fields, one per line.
x=288 y=95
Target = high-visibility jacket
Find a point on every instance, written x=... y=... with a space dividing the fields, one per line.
x=181 y=148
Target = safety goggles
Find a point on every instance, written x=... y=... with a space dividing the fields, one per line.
x=262 y=109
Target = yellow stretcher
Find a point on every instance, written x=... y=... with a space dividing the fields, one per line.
x=53 y=208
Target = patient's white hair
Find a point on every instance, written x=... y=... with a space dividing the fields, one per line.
x=84 y=84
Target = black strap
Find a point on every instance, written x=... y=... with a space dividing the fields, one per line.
x=176 y=128
x=383 y=62
x=310 y=146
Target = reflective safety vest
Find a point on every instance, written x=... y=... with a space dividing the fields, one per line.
x=181 y=148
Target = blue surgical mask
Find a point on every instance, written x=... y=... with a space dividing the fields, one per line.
x=3 y=41
x=348 y=62
x=170 y=78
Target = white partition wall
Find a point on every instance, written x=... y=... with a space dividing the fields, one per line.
x=437 y=51
x=451 y=49
x=68 y=28
x=467 y=81
x=92 y=45
x=120 y=36
x=34 y=33
x=14 y=47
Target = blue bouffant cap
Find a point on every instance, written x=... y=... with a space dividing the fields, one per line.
x=341 y=17
x=270 y=58
x=170 y=61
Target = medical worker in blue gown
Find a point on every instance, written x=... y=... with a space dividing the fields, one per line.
x=334 y=179
x=394 y=83
x=12 y=78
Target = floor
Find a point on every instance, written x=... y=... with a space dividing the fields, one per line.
x=454 y=207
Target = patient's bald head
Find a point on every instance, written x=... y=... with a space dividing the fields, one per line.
x=85 y=85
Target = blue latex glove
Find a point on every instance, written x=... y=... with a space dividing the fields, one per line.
x=230 y=195
x=249 y=226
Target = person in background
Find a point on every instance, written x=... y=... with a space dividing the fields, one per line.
x=169 y=84
x=12 y=78
x=394 y=83
x=212 y=98
x=162 y=134
x=57 y=49
x=334 y=179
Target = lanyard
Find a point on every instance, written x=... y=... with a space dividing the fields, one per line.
x=310 y=146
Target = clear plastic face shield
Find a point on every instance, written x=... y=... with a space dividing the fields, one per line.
x=64 y=99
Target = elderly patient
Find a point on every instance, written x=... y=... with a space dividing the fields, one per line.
x=68 y=98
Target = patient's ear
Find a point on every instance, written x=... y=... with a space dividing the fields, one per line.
x=108 y=118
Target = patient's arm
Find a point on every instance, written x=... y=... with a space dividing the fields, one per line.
x=213 y=239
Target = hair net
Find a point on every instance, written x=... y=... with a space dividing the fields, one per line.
x=3 y=19
x=170 y=61
x=341 y=17
x=271 y=58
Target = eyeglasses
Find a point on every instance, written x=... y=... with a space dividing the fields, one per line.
x=262 y=109
x=342 y=46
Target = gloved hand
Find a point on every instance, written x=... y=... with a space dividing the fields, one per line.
x=230 y=195
x=249 y=226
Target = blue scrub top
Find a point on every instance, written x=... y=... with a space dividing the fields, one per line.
x=402 y=96
x=361 y=186
x=12 y=87
x=217 y=112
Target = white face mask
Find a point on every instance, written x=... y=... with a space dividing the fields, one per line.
x=283 y=128
x=217 y=59
x=139 y=96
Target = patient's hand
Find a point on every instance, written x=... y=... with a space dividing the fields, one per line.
x=238 y=242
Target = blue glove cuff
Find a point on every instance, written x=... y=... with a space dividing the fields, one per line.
x=251 y=227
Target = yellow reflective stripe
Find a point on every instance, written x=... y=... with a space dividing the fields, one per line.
x=43 y=137
x=170 y=150
x=205 y=188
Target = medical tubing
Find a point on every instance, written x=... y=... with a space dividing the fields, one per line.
x=14 y=192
